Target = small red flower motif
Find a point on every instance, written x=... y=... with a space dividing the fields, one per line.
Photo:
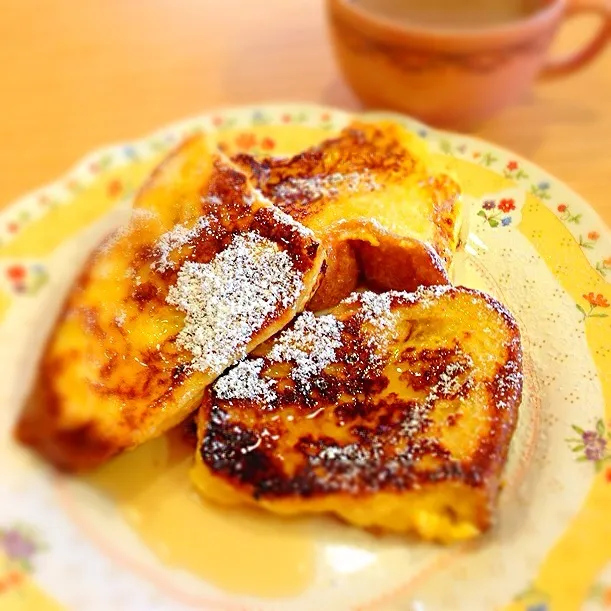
x=267 y=144
x=16 y=273
x=114 y=188
x=476 y=155
x=12 y=227
x=598 y=301
x=217 y=121
x=593 y=235
x=607 y=262
x=246 y=141
x=43 y=199
x=506 y=205
x=562 y=208
x=286 y=118
x=608 y=474
x=512 y=165
x=325 y=116
x=11 y=579
x=14 y=578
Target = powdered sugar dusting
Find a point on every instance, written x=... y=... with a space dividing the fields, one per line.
x=375 y=308
x=227 y=300
x=426 y=296
x=378 y=306
x=310 y=345
x=448 y=385
x=287 y=220
x=245 y=382
x=120 y=318
x=174 y=239
x=376 y=311
x=325 y=185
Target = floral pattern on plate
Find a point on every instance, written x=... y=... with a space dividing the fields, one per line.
x=19 y=545
x=501 y=221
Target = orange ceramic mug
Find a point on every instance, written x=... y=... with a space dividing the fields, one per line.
x=453 y=76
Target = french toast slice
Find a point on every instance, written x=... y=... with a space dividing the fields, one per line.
x=378 y=200
x=205 y=270
x=394 y=411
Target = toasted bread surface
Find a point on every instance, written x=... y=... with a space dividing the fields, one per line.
x=393 y=411
x=205 y=270
x=376 y=187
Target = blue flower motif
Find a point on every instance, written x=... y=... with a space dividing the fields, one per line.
x=543 y=185
x=538 y=607
x=489 y=205
x=258 y=116
x=506 y=221
x=423 y=133
x=130 y=152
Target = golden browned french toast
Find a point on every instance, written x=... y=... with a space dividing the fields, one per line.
x=376 y=199
x=393 y=411
x=205 y=270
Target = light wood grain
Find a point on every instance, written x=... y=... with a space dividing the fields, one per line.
x=78 y=75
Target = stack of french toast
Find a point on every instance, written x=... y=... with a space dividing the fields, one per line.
x=302 y=308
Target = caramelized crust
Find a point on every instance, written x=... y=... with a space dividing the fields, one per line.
x=395 y=411
x=205 y=270
x=376 y=187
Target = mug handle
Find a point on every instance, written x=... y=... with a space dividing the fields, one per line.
x=576 y=59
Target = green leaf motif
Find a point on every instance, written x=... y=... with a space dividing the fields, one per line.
x=227 y=124
x=493 y=223
x=481 y=213
x=488 y=159
x=584 y=313
x=576 y=428
x=104 y=162
x=600 y=427
x=445 y=146
x=598 y=315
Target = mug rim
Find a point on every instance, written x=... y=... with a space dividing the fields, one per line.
x=383 y=26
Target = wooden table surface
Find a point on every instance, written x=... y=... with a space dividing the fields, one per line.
x=78 y=75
